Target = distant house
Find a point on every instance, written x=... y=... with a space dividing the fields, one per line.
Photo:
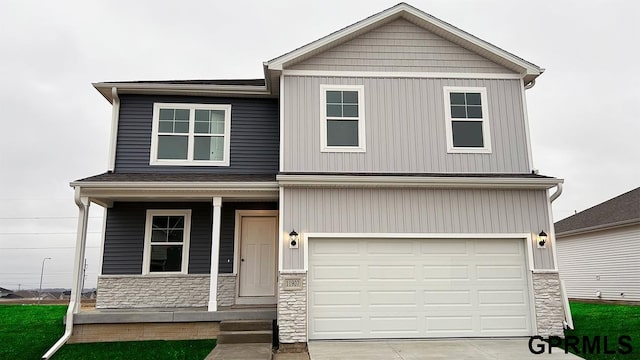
x=5 y=292
x=599 y=250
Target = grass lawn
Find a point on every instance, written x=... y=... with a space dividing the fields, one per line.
x=28 y=331
x=608 y=320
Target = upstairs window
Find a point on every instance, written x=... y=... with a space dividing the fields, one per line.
x=467 y=120
x=191 y=134
x=167 y=234
x=342 y=118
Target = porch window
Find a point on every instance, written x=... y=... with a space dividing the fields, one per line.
x=467 y=120
x=167 y=236
x=191 y=134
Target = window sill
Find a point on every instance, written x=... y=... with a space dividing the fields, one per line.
x=343 y=149
x=188 y=163
x=469 y=151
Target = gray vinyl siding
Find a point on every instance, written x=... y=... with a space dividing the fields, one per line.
x=228 y=229
x=433 y=211
x=400 y=46
x=254 y=135
x=124 y=237
x=405 y=127
x=612 y=254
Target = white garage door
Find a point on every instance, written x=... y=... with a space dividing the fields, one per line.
x=413 y=288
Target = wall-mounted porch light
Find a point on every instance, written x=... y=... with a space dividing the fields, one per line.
x=293 y=239
x=542 y=240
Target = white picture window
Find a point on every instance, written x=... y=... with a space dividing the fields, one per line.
x=166 y=241
x=191 y=134
x=342 y=118
x=467 y=120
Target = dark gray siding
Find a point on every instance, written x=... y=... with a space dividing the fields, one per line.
x=228 y=226
x=254 y=135
x=124 y=237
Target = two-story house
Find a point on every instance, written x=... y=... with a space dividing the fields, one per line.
x=377 y=183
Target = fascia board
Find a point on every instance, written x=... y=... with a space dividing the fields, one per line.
x=602 y=227
x=188 y=89
x=414 y=181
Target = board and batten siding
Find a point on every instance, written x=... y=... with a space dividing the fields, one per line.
x=612 y=255
x=400 y=46
x=255 y=135
x=432 y=211
x=405 y=127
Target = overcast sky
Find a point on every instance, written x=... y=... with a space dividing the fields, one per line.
x=55 y=126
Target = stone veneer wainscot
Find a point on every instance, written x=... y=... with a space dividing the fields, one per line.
x=548 y=303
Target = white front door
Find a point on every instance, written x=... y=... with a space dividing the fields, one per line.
x=258 y=236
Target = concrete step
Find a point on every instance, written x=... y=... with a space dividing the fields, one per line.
x=245 y=325
x=245 y=337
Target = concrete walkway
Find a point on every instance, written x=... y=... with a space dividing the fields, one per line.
x=240 y=352
x=460 y=349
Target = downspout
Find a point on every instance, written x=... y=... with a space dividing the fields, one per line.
x=78 y=272
x=115 y=119
x=568 y=318
x=530 y=84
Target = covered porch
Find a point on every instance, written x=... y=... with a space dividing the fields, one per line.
x=204 y=266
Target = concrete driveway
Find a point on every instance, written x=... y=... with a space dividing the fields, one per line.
x=459 y=349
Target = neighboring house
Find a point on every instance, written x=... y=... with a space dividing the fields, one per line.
x=599 y=250
x=377 y=183
x=4 y=292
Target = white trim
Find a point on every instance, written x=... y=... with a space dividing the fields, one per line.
x=362 y=143
x=209 y=185
x=102 y=239
x=182 y=89
x=486 y=132
x=146 y=258
x=402 y=74
x=415 y=181
x=430 y=23
x=153 y=154
x=281 y=236
x=239 y=214
x=545 y=271
x=527 y=132
x=216 y=203
x=282 y=95
x=115 y=118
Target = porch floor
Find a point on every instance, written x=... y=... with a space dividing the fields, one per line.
x=169 y=315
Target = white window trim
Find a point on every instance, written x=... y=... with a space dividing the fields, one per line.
x=323 y=119
x=486 y=136
x=191 y=135
x=146 y=259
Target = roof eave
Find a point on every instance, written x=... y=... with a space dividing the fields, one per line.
x=595 y=228
x=180 y=89
x=527 y=69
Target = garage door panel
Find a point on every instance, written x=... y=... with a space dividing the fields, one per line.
x=335 y=272
x=442 y=288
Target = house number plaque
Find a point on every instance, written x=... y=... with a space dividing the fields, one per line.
x=293 y=283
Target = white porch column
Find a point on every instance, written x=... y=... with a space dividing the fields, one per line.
x=81 y=244
x=215 y=254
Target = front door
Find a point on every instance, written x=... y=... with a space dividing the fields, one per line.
x=258 y=239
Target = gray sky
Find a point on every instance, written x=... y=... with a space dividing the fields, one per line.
x=55 y=126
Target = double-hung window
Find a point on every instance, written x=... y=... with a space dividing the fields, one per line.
x=342 y=118
x=467 y=120
x=166 y=243
x=191 y=134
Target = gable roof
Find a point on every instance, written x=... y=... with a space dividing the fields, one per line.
x=621 y=210
x=447 y=31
